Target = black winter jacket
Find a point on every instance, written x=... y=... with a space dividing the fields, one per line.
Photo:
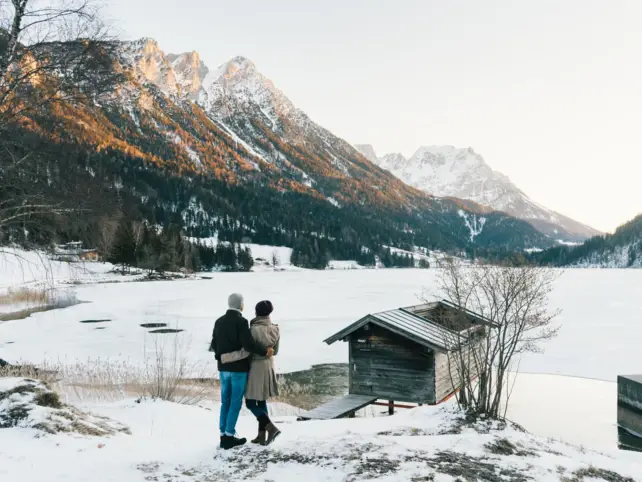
x=231 y=333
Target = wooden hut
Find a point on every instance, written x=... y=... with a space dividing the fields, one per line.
x=404 y=355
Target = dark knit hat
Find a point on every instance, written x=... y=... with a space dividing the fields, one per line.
x=264 y=308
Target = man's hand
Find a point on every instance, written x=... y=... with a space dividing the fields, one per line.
x=270 y=352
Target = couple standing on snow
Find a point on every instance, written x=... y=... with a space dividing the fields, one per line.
x=246 y=368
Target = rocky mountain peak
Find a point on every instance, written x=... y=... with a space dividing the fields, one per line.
x=145 y=44
x=238 y=86
x=239 y=66
x=449 y=156
x=190 y=71
x=393 y=161
x=149 y=63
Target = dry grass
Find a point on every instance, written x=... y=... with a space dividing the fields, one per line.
x=46 y=374
x=295 y=394
x=166 y=375
x=25 y=296
x=161 y=378
x=24 y=301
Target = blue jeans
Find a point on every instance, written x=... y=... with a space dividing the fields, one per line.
x=232 y=391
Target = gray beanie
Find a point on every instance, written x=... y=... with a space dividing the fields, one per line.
x=235 y=301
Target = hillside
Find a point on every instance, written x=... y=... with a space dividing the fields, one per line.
x=622 y=249
x=224 y=152
x=463 y=173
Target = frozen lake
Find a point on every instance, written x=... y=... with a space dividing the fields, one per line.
x=601 y=323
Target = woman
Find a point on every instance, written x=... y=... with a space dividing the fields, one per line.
x=261 y=381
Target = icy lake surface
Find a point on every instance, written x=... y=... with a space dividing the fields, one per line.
x=601 y=322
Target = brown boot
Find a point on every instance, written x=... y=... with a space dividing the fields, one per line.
x=272 y=433
x=260 y=438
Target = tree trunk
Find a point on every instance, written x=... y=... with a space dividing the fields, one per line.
x=14 y=34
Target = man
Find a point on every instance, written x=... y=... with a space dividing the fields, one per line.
x=232 y=333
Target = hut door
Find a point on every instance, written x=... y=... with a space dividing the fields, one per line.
x=361 y=365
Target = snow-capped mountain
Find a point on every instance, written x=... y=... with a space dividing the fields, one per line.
x=224 y=148
x=451 y=172
x=279 y=136
x=248 y=106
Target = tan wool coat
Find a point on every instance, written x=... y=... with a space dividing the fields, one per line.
x=261 y=381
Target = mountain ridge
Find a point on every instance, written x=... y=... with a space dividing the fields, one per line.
x=448 y=171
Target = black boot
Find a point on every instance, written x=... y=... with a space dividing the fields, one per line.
x=260 y=438
x=272 y=433
x=228 y=442
x=262 y=435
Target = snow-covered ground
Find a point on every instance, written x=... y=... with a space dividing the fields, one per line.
x=600 y=321
x=33 y=268
x=172 y=442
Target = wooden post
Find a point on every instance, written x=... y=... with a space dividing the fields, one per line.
x=391 y=407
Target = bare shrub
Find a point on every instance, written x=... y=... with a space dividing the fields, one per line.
x=170 y=376
x=515 y=303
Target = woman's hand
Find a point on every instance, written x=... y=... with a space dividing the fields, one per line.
x=270 y=352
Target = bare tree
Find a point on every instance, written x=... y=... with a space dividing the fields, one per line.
x=514 y=304
x=107 y=233
x=52 y=52
x=275 y=260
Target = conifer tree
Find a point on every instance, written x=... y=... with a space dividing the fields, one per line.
x=123 y=250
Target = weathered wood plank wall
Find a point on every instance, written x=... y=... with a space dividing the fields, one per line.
x=448 y=374
x=390 y=367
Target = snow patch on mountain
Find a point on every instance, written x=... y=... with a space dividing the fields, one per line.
x=473 y=223
x=333 y=201
x=191 y=153
x=245 y=145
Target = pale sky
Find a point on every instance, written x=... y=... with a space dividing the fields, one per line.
x=549 y=92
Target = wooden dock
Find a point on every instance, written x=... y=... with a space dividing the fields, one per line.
x=339 y=408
